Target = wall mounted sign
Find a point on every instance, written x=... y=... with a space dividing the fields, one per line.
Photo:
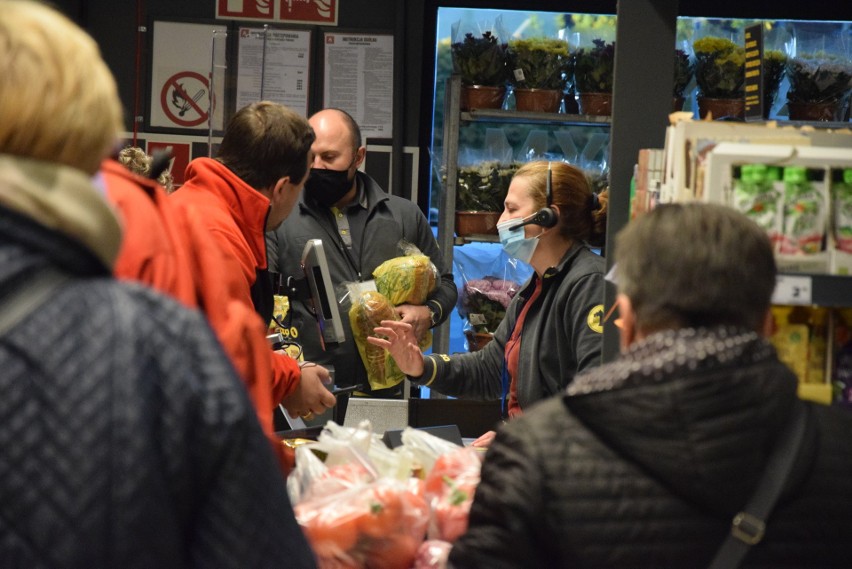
x=358 y=78
x=182 y=71
x=322 y=12
x=274 y=65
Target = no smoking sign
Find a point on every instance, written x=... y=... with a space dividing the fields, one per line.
x=184 y=99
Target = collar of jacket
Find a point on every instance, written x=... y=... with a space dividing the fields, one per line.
x=62 y=199
x=696 y=407
x=561 y=268
x=247 y=206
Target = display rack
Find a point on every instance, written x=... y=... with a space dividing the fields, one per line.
x=454 y=120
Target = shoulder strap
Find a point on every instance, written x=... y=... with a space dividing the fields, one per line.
x=748 y=526
x=26 y=296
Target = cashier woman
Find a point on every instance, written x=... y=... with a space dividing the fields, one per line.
x=553 y=326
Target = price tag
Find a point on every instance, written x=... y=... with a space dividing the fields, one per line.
x=793 y=290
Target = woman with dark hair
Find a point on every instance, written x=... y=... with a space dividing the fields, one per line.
x=553 y=326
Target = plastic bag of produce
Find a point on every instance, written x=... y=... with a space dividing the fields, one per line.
x=449 y=488
x=367 y=312
x=378 y=525
x=432 y=554
x=407 y=279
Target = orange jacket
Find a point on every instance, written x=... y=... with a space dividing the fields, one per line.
x=167 y=246
x=234 y=215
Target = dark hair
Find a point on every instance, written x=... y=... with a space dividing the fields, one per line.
x=695 y=264
x=265 y=142
x=582 y=214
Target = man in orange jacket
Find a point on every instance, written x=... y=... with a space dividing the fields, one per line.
x=250 y=188
x=167 y=248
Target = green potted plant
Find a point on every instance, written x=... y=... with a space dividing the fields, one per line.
x=593 y=76
x=820 y=84
x=480 y=192
x=538 y=68
x=720 y=75
x=684 y=69
x=481 y=62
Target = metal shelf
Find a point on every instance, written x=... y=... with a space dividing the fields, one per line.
x=519 y=117
x=477 y=238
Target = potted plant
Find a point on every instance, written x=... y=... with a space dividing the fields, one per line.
x=683 y=71
x=593 y=76
x=820 y=84
x=720 y=75
x=538 y=67
x=481 y=62
x=483 y=303
x=480 y=192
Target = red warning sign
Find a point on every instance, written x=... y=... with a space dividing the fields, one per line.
x=294 y=11
x=309 y=11
x=246 y=9
x=180 y=157
x=185 y=97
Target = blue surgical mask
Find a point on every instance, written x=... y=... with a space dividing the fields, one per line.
x=514 y=242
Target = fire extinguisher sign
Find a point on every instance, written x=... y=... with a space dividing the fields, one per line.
x=322 y=12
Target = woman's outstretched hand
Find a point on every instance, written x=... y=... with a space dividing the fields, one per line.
x=399 y=340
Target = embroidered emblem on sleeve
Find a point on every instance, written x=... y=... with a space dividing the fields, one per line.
x=595 y=319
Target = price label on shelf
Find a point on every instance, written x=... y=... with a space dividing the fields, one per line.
x=791 y=289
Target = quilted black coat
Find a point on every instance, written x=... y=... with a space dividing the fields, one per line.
x=126 y=438
x=645 y=462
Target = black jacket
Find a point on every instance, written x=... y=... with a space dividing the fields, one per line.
x=127 y=439
x=389 y=220
x=561 y=336
x=646 y=460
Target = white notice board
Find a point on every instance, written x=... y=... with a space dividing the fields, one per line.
x=185 y=59
x=274 y=65
x=358 y=78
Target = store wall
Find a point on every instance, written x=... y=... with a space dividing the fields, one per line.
x=113 y=25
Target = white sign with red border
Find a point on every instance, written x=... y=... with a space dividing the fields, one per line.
x=187 y=58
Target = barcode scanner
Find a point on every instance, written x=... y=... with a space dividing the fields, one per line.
x=545 y=217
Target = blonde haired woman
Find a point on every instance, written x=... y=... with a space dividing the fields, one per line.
x=553 y=327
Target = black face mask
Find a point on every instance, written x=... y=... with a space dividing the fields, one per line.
x=328 y=186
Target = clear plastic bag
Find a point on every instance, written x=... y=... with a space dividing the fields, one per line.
x=367 y=312
x=378 y=525
x=407 y=279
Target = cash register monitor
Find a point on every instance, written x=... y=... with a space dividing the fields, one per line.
x=324 y=301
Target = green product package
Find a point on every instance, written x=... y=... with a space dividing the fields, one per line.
x=804 y=214
x=755 y=195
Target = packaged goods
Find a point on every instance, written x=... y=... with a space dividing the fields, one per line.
x=841 y=192
x=791 y=340
x=406 y=280
x=756 y=195
x=805 y=213
x=367 y=312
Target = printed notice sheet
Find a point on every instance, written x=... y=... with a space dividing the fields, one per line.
x=358 y=78
x=274 y=65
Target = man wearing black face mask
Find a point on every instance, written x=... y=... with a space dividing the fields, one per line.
x=360 y=226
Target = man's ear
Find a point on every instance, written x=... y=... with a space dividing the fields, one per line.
x=360 y=154
x=279 y=186
x=627 y=329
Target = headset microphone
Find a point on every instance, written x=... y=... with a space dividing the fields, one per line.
x=545 y=217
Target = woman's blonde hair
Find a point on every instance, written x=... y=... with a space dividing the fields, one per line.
x=58 y=98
